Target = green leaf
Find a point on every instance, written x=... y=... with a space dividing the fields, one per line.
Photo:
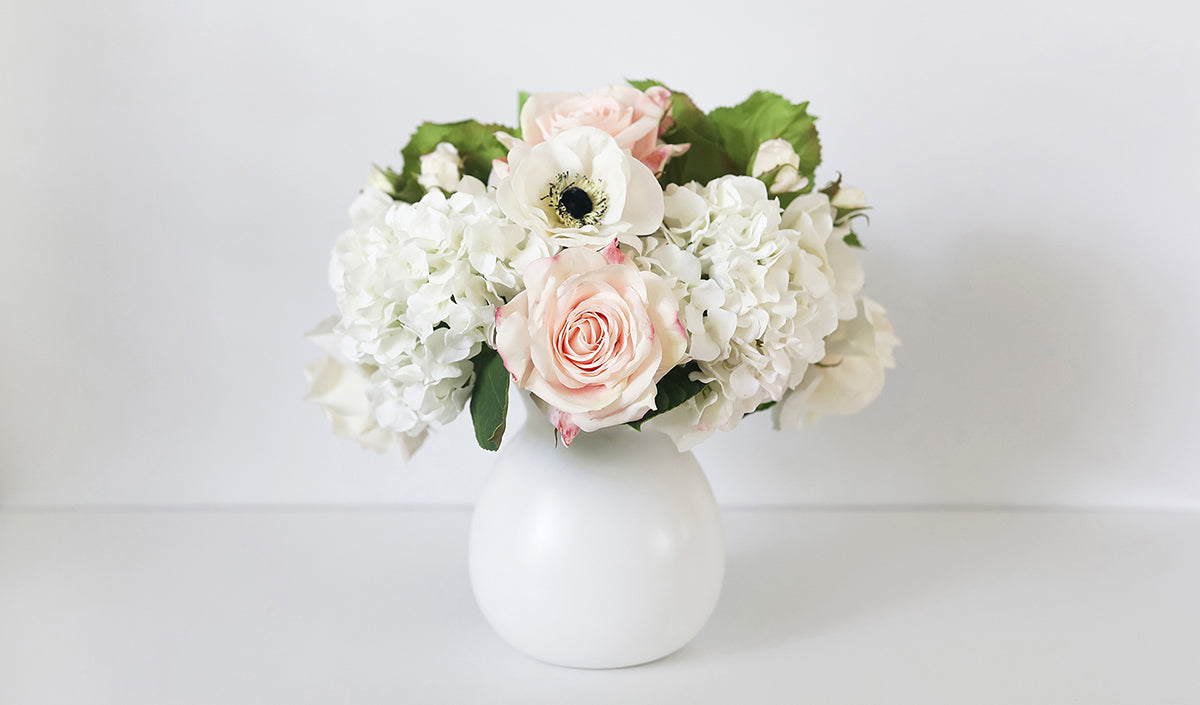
x=476 y=144
x=853 y=241
x=767 y=116
x=843 y=215
x=674 y=388
x=643 y=84
x=489 y=398
x=785 y=199
x=707 y=158
x=726 y=140
x=763 y=407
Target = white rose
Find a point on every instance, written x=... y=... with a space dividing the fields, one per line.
x=344 y=389
x=341 y=391
x=850 y=376
x=580 y=188
x=441 y=168
x=812 y=217
x=779 y=154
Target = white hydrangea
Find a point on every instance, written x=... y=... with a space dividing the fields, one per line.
x=757 y=298
x=417 y=285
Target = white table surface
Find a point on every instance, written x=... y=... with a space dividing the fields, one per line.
x=820 y=606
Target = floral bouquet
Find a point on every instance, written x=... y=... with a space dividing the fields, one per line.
x=623 y=256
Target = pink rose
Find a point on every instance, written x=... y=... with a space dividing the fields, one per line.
x=634 y=118
x=591 y=335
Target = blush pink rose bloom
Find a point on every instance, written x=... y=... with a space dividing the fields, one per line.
x=634 y=118
x=591 y=336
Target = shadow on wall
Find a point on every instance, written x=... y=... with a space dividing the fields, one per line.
x=1029 y=374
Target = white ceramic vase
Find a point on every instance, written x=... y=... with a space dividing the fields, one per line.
x=602 y=555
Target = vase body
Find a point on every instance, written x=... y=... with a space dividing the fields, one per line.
x=605 y=554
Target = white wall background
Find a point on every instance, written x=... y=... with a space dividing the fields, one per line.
x=174 y=174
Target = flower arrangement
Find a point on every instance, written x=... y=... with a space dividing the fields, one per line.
x=623 y=256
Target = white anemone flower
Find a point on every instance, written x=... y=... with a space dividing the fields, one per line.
x=579 y=188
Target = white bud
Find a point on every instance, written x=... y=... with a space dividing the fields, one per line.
x=779 y=154
x=379 y=181
x=848 y=198
x=441 y=168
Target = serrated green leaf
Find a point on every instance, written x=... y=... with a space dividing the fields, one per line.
x=767 y=116
x=489 y=398
x=726 y=140
x=707 y=158
x=476 y=144
x=675 y=388
x=643 y=84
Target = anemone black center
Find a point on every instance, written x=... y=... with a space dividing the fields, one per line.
x=576 y=202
